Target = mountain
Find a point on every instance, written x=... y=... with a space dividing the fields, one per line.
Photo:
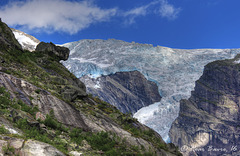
x=44 y=109
x=27 y=42
x=128 y=91
x=208 y=122
x=174 y=70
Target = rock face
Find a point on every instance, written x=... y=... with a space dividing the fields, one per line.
x=26 y=148
x=128 y=91
x=46 y=102
x=36 y=148
x=7 y=39
x=208 y=122
x=61 y=53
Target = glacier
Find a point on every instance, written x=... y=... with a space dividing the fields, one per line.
x=174 y=70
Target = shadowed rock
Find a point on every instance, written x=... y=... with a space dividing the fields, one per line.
x=61 y=53
x=128 y=91
x=208 y=122
x=7 y=38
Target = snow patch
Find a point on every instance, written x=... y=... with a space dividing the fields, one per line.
x=237 y=61
x=12 y=131
x=23 y=39
x=27 y=42
x=97 y=86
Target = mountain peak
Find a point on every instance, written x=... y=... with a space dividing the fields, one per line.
x=28 y=42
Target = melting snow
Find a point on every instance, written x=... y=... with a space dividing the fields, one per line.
x=23 y=39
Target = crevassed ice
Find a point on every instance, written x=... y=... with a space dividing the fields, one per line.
x=174 y=70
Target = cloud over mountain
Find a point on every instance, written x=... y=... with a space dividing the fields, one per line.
x=55 y=15
x=168 y=10
x=159 y=7
x=73 y=16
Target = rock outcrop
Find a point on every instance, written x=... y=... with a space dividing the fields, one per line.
x=208 y=122
x=128 y=91
x=46 y=102
x=7 y=39
x=61 y=53
x=15 y=146
x=75 y=88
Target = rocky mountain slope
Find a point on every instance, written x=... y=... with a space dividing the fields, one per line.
x=41 y=101
x=174 y=71
x=208 y=122
x=128 y=91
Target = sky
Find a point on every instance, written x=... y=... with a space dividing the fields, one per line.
x=183 y=24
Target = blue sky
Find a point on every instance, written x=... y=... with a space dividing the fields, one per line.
x=184 y=24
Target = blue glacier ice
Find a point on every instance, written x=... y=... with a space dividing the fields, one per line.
x=174 y=70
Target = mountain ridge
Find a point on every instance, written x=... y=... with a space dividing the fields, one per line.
x=46 y=102
x=183 y=70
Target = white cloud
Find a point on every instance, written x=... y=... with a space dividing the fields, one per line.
x=168 y=10
x=160 y=7
x=74 y=16
x=54 y=15
x=136 y=12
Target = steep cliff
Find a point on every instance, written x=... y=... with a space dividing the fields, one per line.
x=7 y=39
x=128 y=91
x=41 y=101
x=208 y=122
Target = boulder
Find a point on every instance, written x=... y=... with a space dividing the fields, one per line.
x=70 y=93
x=75 y=153
x=36 y=148
x=61 y=53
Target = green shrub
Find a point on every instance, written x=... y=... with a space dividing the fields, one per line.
x=3 y=130
x=5 y=99
x=24 y=107
x=31 y=132
x=8 y=150
x=112 y=152
x=76 y=135
x=101 y=141
x=50 y=122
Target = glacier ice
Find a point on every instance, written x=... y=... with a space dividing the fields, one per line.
x=174 y=70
